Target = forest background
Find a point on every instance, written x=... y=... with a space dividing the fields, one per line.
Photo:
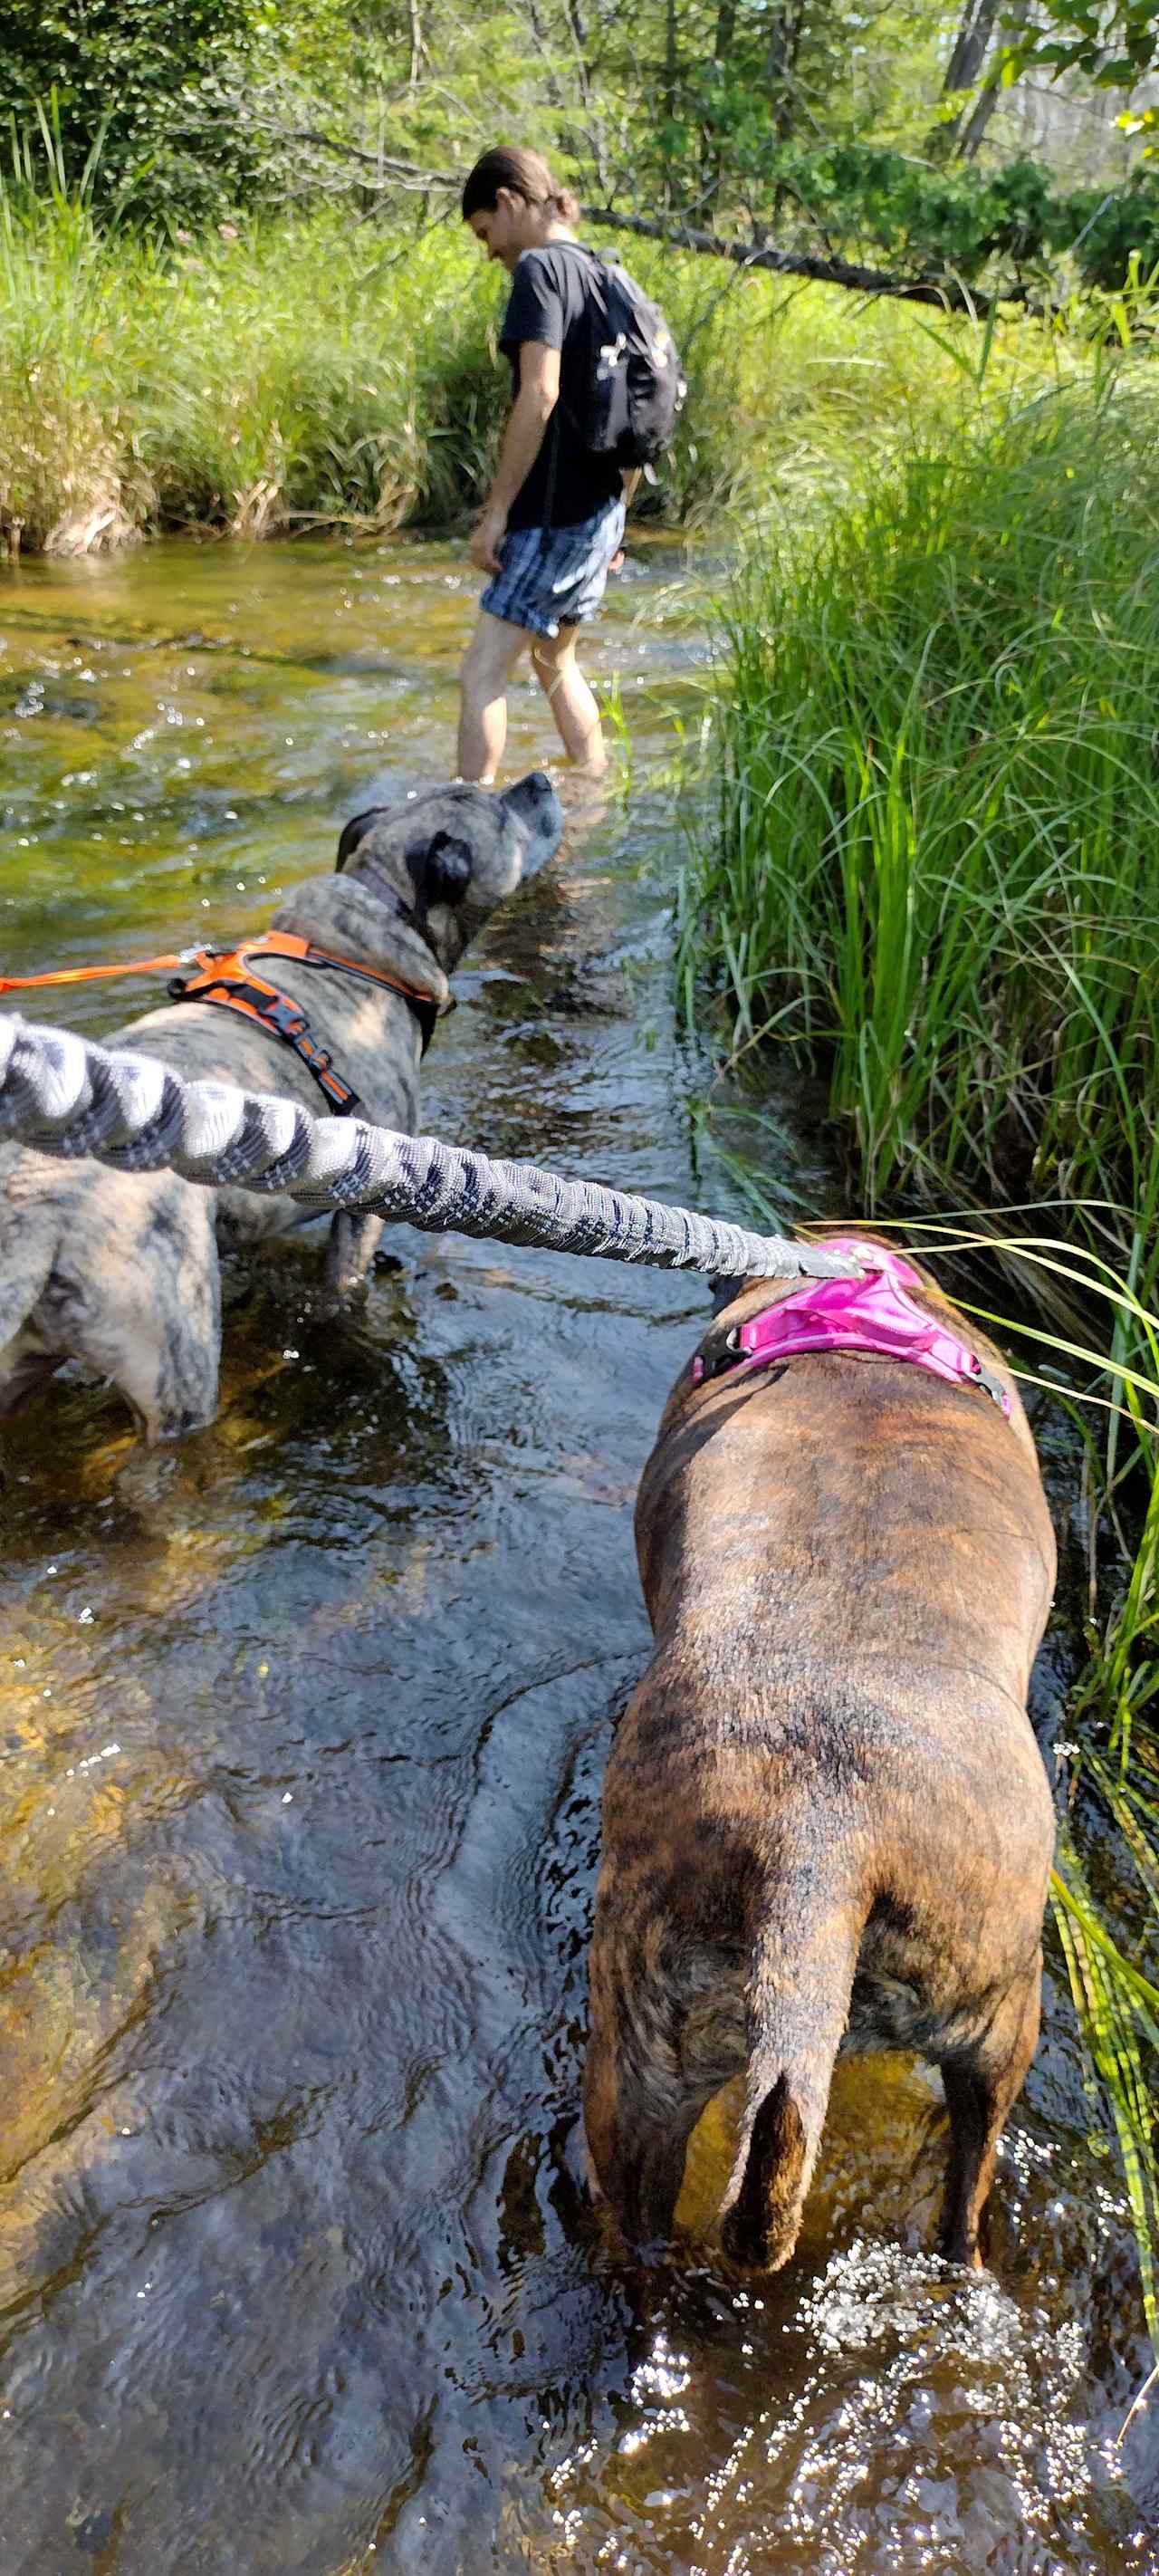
x=934 y=139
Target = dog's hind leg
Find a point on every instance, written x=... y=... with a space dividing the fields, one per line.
x=353 y=1241
x=638 y=2138
x=641 y=2102
x=169 y=1370
x=27 y=1241
x=24 y=1371
x=981 y=2085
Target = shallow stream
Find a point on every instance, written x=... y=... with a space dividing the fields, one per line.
x=302 y=1728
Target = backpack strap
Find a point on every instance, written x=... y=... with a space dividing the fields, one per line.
x=586 y=252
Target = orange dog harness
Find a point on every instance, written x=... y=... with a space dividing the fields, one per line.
x=226 y=976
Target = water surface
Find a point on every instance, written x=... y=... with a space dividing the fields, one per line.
x=303 y=1727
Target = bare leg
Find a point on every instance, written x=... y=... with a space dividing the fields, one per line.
x=486 y=668
x=574 y=711
x=980 y=2091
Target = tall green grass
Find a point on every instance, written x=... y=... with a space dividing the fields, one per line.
x=263 y=377
x=935 y=873
x=937 y=856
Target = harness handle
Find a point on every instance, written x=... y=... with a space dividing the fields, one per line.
x=225 y=976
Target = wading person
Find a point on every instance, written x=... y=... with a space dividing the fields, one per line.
x=554 y=516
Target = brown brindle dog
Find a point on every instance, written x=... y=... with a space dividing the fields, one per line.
x=827 y=1824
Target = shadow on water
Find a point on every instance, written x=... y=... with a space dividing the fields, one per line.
x=303 y=1726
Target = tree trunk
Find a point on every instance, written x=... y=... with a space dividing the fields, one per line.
x=970 y=48
x=670 y=88
x=671 y=62
x=417 y=46
x=944 y=292
x=781 y=64
x=552 y=89
x=710 y=142
x=593 y=131
x=970 y=134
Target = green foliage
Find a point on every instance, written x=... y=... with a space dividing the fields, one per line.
x=962 y=220
x=924 y=219
x=940 y=806
x=1115 y=47
x=134 y=85
x=813 y=123
x=1117 y=231
x=248 y=379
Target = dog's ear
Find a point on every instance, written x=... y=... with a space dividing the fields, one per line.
x=444 y=875
x=352 y=833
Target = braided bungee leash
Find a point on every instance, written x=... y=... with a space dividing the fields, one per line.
x=67 y=1096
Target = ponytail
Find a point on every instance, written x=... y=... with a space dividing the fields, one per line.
x=526 y=175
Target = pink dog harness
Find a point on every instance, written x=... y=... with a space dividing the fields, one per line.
x=871 y=1314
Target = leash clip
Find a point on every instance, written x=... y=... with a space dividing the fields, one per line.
x=990 y=1382
x=191 y=959
x=730 y=1351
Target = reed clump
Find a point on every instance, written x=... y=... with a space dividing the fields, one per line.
x=937 y=859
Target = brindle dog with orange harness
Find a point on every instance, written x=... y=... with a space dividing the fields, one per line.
x=336 y=1002
x=826 y=1823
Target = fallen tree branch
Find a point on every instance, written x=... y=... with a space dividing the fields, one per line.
x=948 y=293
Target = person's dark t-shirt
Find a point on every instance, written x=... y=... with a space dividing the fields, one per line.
x=550 y=291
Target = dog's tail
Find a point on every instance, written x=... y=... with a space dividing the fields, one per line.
x=800 y=1984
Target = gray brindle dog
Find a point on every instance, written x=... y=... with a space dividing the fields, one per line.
x=121 y=1271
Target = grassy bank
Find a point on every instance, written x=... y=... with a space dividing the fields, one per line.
x=935 y=871
x=292 y=372
x=939 y=805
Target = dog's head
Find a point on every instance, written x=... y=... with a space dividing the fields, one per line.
x=445 y=856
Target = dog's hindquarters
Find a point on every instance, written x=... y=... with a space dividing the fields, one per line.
x=806 y=1956
x=675 y=2014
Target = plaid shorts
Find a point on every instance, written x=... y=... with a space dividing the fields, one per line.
x=556 y=577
